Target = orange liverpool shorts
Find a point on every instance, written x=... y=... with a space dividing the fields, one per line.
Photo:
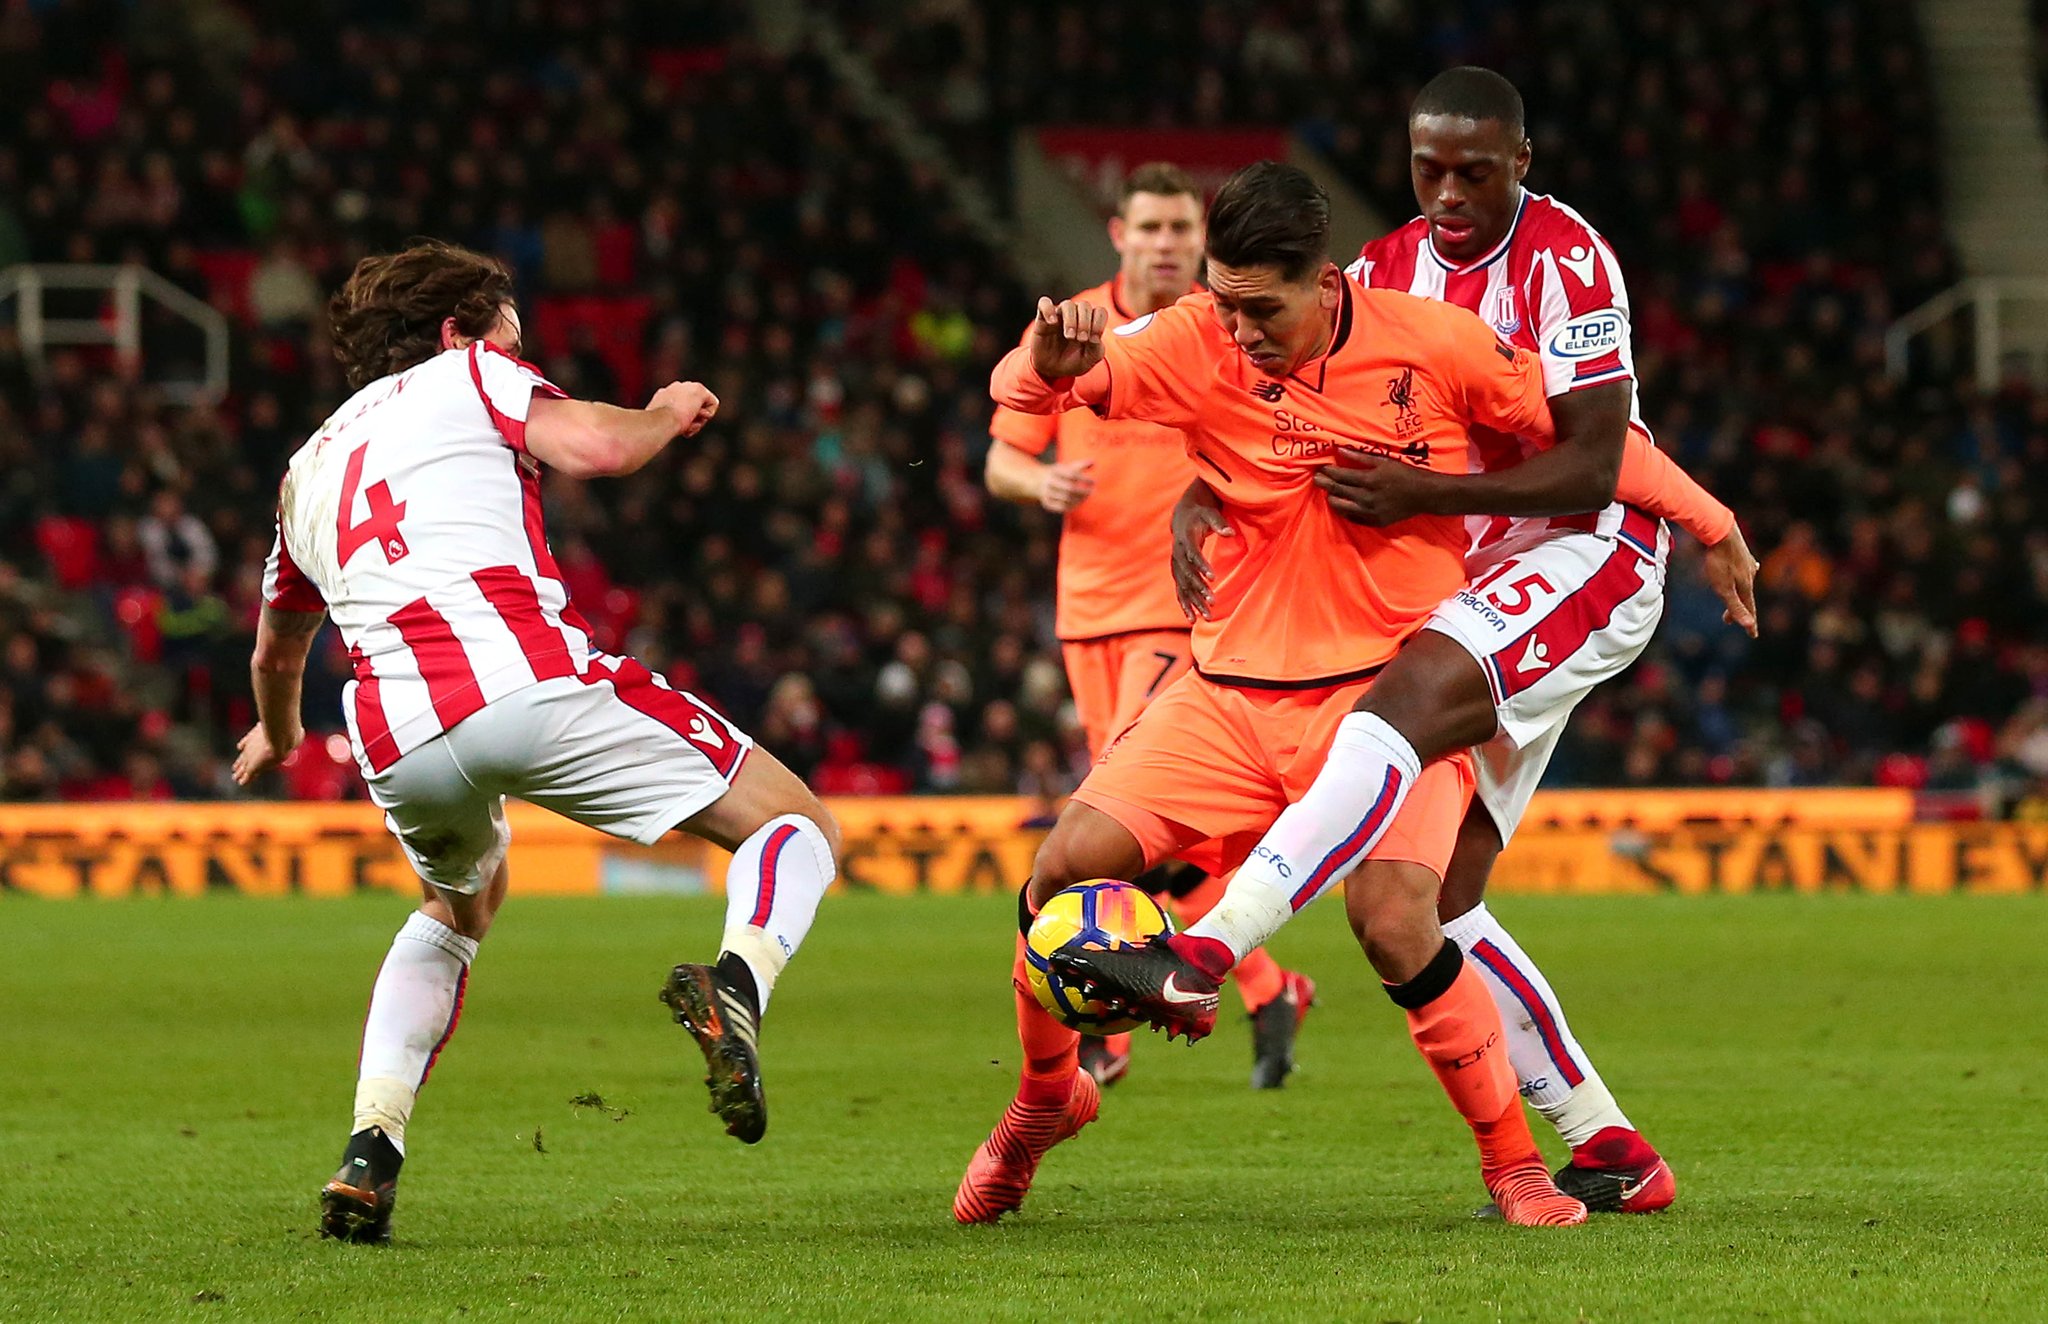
x=1114 y=677
x=1206 y=769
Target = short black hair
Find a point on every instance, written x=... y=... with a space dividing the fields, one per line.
x=1471 y=93
x=1271 y=215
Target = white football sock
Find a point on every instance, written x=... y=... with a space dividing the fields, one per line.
x=1319 y=838
x=413 y=1010
x=1556 y=1076
x=772 y=890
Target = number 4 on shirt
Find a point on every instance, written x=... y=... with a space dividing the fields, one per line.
x=382 y=525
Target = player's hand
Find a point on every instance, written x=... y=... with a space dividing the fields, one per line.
x=1374 y=490
x=691 y=404
x=1066 y=485
x=1731 y=573
x=254 y=754
x=1066 y=338
x=1194 y=520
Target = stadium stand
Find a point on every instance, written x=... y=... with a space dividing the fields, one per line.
x=675 y=204
x=1903 y=642
x=824 y=562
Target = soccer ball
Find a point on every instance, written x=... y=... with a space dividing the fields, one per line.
x=1104 y=914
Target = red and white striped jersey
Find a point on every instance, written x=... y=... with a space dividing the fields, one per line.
x=1553 y=287
x=413 y=516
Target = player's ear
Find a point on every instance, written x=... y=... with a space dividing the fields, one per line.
x=1330 y=285
x=450 y=337
x=1116 y=233
x=1523 y=155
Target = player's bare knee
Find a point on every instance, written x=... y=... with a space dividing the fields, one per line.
x=828 y=824
x=1052 y=868
x=1399 y=945
x=468 y=916
x=1085 y=844
x=824 y=820
x=1392 y=910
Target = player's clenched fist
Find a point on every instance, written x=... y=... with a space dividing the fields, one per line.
x=691 y=404
x=1066 y=340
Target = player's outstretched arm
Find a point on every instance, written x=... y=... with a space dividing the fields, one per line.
x=1652 y=480
x=1051 y=372
x=277 y=671
x=1577 y=474
x=585 y=439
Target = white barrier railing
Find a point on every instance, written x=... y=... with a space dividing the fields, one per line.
x=126 y=288
x=1986 y=298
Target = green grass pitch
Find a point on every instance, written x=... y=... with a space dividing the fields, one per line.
x=1850 y=1088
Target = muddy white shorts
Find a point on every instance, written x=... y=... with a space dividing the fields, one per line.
x=615 y=748
x=1547 y=625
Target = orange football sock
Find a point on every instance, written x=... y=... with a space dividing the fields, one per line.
x=1051 y=1051
x=1258 y=979
x=1460 y=1035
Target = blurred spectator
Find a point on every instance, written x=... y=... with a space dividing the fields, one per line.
x=174 y=541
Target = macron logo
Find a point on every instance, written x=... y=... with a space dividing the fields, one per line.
x=1580 y=263
x=703 y=733
x=1535 y=657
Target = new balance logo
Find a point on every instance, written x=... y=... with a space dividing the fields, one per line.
x=1580 y=263
x=1269 y=391
x=1535 y=657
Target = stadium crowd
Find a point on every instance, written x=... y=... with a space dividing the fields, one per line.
x=824 y=562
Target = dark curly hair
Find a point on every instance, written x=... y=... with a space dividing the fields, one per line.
x=388 y=317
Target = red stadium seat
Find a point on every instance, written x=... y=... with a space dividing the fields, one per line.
x=616 y=323
x=135 y=610
x=227 y=272
x=72 y=548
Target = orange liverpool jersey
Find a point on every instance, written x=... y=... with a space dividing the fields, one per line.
x=1301 y=596
x=1115 y=572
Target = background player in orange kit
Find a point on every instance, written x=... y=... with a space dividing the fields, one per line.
x=1122 y=632
x=1268 y=374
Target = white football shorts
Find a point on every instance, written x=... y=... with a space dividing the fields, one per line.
x=615 y=748
x=1547 y=625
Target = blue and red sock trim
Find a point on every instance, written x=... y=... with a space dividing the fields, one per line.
x=1501 y=968
x=454 y=1015
x=1361 y=837
x=770 y=854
